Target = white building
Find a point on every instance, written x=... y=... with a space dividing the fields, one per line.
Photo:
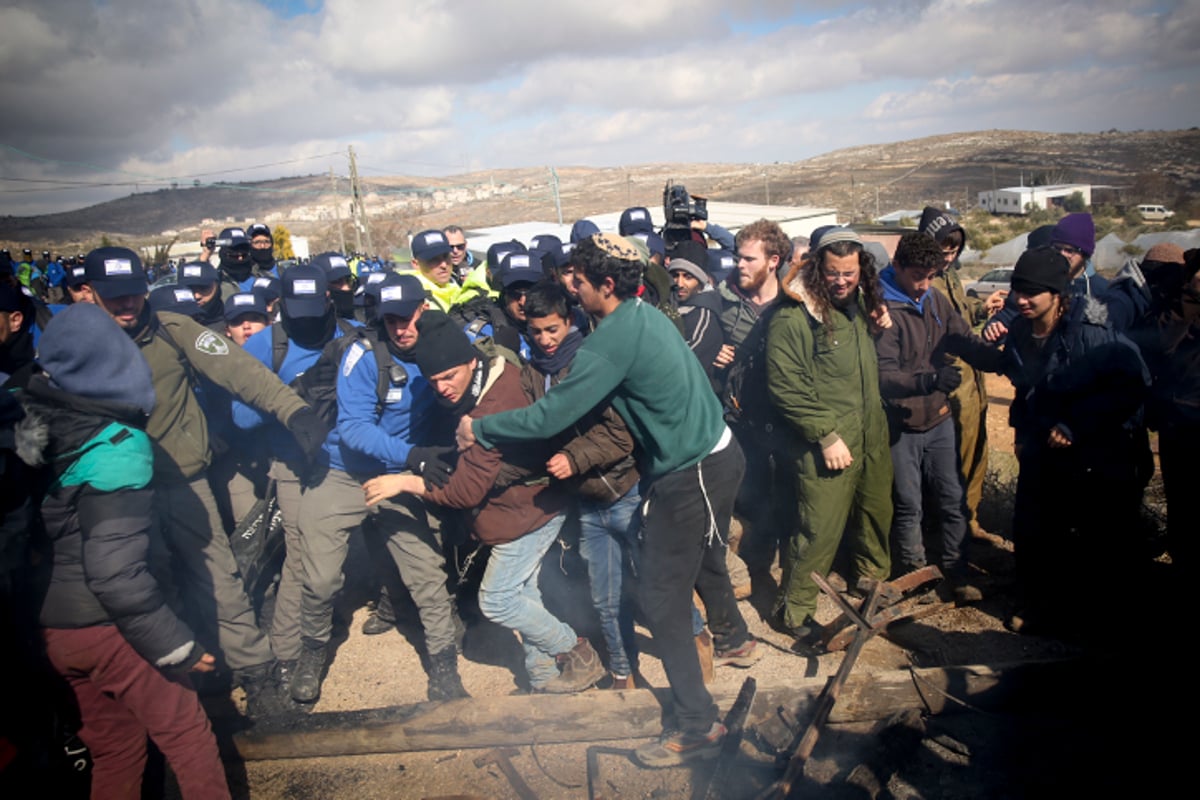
x=1019 y=199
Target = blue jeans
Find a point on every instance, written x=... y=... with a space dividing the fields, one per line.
x=604 y=531
x=927 y=462
x=509 y=596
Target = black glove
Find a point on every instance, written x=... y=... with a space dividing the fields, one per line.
x=434 y=464
x=310 y=432
x=947 y=379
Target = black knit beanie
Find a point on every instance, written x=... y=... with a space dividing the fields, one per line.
x=1041 y=270
x=441 y=344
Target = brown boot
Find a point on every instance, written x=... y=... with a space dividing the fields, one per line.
x=580 y=669
x=704 y=649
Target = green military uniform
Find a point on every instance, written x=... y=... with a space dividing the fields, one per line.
x=968 y=403
x=177 y=348
x=823 y=377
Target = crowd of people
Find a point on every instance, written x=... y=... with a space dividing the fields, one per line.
x=631 y=389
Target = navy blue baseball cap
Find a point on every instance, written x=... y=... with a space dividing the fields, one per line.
x=198 y=273
x=305 y=289
x=521 y=268
x=335 y=265
x=635 y=220
x=174 y=298
x=497 y=252
x=115 y=272
x=400 y=295
x=242 y=303
x=428 y=245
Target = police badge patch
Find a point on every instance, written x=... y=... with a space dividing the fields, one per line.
x=212 y=344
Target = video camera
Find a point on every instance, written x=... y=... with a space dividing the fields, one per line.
x=679 y=210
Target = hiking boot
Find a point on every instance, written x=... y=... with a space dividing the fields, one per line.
x=284 y=670
x=444 y=682
x=704 y=649
x=580 y=669
x=306 y=678
x=809 y=638
x=382 y=618
x=966 y=592
x=376 y=624
x=263 y=698
x=677 y=747
x=743 y=656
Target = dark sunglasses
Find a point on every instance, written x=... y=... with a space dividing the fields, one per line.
x=462 y=246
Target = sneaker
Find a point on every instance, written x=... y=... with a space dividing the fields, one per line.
x=622 y=682
x=677 y=747
x=742 y=657
x=580 y=669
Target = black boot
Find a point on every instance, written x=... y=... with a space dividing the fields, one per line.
x=306 y=679
x=263 y=698
x=444 y=683
x=383 y=618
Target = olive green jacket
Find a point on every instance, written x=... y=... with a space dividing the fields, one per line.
x=822 y=373
x=180 y=350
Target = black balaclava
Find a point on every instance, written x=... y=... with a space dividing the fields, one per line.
x=311 y=333
x=264 y=258
x=343 y=303
x=238 y=269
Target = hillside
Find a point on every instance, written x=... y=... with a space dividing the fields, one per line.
x=1161 y=166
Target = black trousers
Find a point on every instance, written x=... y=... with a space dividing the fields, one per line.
x=684 y=529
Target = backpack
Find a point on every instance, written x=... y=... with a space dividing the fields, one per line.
x=317 y=385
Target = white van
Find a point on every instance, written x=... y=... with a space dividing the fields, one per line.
x=1153 y=213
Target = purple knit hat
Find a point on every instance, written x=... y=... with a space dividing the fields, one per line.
x=1077 y=230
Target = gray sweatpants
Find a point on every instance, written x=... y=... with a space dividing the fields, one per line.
x=329 y=513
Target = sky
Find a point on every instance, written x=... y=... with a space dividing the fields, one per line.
x=106 y=97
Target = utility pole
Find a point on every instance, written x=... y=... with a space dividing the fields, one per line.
x=361 y=224
x=628 y=190
x=337 y=211
x=767 y=186
x=557 y=199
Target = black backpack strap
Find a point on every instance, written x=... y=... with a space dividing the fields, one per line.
x=279 y=346
x=383 y=374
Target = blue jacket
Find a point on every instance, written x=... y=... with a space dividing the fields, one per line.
x=366 y=443
x=281 y=444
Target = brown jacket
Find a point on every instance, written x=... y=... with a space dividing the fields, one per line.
x=599 y=445
x=506 y=490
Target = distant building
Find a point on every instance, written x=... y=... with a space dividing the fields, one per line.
x=1020 y=199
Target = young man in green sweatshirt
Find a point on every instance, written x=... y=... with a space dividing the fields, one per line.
x=691 y=466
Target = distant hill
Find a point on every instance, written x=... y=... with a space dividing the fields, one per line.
x=1143 y=166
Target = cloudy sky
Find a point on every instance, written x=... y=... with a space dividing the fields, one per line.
x=108 y=96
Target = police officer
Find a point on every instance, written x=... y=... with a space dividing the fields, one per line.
x=377 y=435
x=177 y=348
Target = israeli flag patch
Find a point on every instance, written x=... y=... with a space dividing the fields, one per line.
x=118 y=266
x=305 y=287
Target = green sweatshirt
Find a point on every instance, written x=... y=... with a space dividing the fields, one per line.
x=638 y=360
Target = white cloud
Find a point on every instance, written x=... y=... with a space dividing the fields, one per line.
x=184 y=86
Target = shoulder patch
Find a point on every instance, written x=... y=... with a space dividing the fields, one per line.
x=355 y=353
x=212 y=344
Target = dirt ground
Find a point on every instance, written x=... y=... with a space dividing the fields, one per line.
x=972 y=754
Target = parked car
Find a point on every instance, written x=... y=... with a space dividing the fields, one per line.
x=995 y=280
x=1154 y=213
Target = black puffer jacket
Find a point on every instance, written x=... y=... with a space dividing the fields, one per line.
x=100 y=533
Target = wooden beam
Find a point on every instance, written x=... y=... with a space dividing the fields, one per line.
x=609 y=715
